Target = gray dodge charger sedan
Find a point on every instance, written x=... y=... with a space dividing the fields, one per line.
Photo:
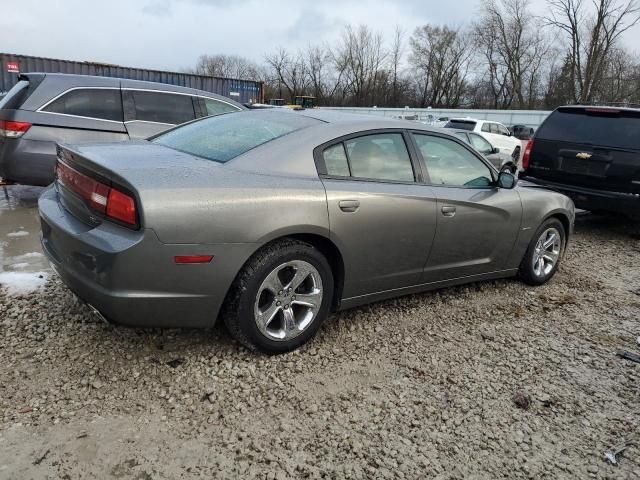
x=270 y=219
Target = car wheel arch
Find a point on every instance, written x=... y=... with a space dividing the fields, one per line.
x=322 y=242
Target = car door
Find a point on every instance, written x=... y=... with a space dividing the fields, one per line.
x=477 y=222
x=149 y=112
x=381 y=214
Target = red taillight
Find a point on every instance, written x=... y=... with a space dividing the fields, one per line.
x=526 y=157
x=191 y=259
x=9 y=129
x=121 y=207
x=100 y=197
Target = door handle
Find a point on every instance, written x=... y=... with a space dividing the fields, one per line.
x=448 y=211
x=349 y=205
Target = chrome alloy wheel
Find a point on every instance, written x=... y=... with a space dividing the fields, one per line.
x=288 y=300
x=547 y=252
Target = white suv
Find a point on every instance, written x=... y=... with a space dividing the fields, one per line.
x=496 y=133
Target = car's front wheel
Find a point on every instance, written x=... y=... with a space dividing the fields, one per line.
x=542 y=258
x=280 y=298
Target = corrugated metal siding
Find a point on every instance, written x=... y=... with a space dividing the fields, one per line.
x=530 y=118
x=242 y=91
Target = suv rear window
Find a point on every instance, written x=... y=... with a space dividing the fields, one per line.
x=598 y=127
x=224 y=137
x=461 y=124
x=99 y=103
x=16 y=96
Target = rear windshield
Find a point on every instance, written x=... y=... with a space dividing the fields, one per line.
x=227 y=136
x=461 y=124
x=16 y=96
x=610 y=128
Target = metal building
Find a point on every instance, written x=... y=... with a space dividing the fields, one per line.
x=242 y=91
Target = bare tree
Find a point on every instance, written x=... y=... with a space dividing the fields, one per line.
x=511 y=40
x=397 y=52
x=229 y=66
x=592 y=33
x=289 y=71
x=440 y=56
x=360 y=56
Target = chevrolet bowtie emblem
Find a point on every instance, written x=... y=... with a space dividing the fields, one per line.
x=583 y=155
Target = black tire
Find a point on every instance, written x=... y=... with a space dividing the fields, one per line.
x=238 y=310
x=527 y=272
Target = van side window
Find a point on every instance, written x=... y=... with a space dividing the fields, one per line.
x=99 y=103
x=162 y=107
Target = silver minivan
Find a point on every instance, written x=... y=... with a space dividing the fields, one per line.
x=43 y=109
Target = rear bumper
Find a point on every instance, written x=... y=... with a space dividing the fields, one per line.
x=591 y=199
x=29 y=162
x=130 y=277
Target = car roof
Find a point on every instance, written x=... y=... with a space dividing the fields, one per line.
x=57 y=83
x=598 y=107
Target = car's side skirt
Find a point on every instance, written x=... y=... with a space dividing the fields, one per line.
x=398 y=292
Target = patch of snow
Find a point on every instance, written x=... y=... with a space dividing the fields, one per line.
x=19 y=266
x=27 y=256
x=20 y=233
x=20 y=283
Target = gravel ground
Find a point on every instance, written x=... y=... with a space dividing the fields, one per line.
x=418 y=387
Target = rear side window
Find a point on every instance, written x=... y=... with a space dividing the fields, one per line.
x=16 y=96
x=601 y=127
x=162 y=107
x=461 y=124
x=102 y=104
x=215 y=107
x=335 y=161
x=486 y=127
x=224 y=137
x=381 y=156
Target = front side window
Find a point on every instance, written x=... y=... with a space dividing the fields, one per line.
x=494 y=129
x=381 y=156
x=223 y=137
x=216 y=107
x=481 y=144
x=160 y=107
x=449 y=163
x=103 y=104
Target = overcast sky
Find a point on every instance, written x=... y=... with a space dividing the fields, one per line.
x=171 y=34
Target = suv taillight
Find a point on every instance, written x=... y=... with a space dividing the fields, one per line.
x=526 y=157
x=9 y=129
x=102 y=198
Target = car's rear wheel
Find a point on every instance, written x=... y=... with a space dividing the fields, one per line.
x=542 y=259
x=280 y=298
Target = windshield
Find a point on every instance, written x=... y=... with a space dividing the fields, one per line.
x=227 y=136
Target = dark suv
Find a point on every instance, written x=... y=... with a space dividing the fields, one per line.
x=42 y=109
x=591 y=154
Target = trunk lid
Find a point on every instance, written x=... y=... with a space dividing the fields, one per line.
x=597 y=148
x=139 y=168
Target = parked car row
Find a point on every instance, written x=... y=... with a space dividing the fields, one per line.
x=495 y=133
x=42 y=109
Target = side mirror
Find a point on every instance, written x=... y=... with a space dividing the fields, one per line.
x=506 y=180
x=495 y=150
